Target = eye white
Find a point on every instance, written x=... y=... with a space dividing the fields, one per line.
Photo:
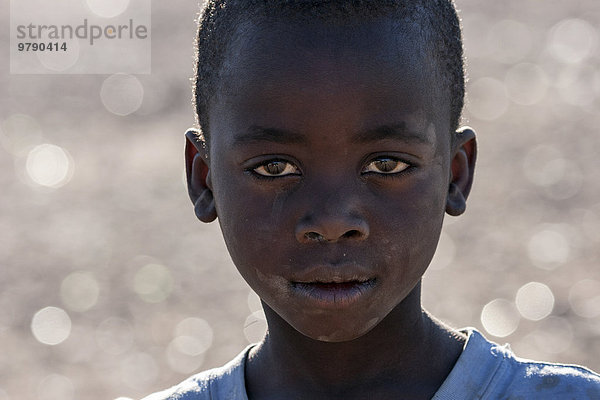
x=385 y=166
x=276 y=168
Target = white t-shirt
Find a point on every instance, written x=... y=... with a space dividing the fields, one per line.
x=484 y=370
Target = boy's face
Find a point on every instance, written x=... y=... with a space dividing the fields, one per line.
x=329 y=161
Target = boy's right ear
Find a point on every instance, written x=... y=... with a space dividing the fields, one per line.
x=198 y=176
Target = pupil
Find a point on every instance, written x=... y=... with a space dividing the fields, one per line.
x=386 y=165
x=275 y=167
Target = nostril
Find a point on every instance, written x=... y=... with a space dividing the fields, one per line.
x=317 y=237
x=331 y=231
x=314 y=236
x=351 y=234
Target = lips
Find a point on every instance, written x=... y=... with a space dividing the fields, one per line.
x=333 y=294
x=333 y=286
x=333 y=273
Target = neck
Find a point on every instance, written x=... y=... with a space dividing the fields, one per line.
x=407 y=349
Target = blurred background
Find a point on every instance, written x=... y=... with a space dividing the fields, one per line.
x=110 y=288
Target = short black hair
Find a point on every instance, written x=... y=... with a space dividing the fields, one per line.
x=437 y=19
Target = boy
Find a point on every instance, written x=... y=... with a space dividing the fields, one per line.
x=330 y=151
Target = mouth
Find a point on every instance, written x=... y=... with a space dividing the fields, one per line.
x=334 y=293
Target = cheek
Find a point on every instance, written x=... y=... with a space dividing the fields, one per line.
x=252 y=220
x=428 y=214
x=251 y=237
x=413 y=226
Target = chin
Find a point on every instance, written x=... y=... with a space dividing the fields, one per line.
x=340 y=334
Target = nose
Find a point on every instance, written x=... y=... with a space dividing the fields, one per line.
x=331 y=228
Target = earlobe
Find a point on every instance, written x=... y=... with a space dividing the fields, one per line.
x=456 y=204
x=462 y=170
x=204 y=207
x=198 y=177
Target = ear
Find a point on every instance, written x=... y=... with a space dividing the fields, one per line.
x=464 y=154
x=198 y=176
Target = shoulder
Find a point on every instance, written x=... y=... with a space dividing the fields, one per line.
x=549 y=380
x=486 y=370
x=226 y=382
x=528 y=379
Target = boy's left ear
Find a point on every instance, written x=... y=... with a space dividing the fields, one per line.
x=464 y=154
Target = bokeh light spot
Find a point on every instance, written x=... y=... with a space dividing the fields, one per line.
x=254 y=302
x=122 y=94
x=548 y=249
x=51 y=325
x=54 y=387
x=576 y=85
x=79 y=291
x=255 y=327
x=544 y=165
x=153 y=283
x=569 y=185
x=500 y=317
x=584 y=298
x=185 y=353
x=182 y=362
x=49 y=165
x=59 y=61
x=188 y=345
x=108 y=8
x=526 y=83
x=572 y=40
x=534 y=301
x=554 y=335
x=194 y=336
x=487 y=99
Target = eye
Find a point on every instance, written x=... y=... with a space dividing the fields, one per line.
x=276 y=168
x=385 y=165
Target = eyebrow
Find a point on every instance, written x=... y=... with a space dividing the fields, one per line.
x=397 y=131
x=258 y=134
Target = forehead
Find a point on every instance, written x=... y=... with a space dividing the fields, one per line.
x=304 y=45
x=372 y=62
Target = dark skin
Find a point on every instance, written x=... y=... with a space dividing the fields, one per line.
x=330 y=164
